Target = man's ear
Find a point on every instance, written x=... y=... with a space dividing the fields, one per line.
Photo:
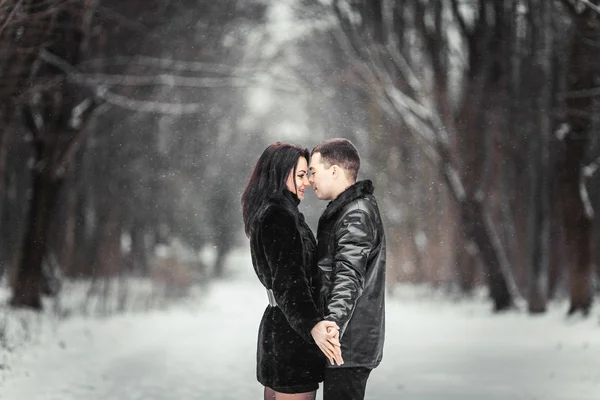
x=335 y=171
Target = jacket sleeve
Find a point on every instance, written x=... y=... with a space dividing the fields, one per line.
x=291 y=288
x=354 y=241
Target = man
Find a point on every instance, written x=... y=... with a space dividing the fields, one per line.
x=351 y=259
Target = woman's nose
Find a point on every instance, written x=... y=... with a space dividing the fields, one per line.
x=305 y=181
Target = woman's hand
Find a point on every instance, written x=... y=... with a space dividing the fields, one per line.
x=327 y=336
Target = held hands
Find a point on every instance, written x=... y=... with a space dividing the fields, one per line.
x=327 y=336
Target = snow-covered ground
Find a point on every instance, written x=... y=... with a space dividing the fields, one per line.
x=205 y=349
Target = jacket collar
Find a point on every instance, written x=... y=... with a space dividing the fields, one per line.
x=356 y=191
x=293 y=198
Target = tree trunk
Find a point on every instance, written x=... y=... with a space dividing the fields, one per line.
x=466 y=263
x=83 y=257
x=538 y=276
x=474 y=157
x=478 y=229
x=139 y=251
x=67 y=245
x=474 y=220
x=224 y=241
x=556 y=272
x=28 y=286
x=4 y=120
x=582 y=74
x=109 y=252
x=219 y=268
x=577 y=228
x=476 y=121
x=542 y=41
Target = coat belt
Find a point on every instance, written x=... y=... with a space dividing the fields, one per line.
x=271 y=297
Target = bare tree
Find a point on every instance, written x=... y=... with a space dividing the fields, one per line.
x=582 y=74
x=56 y=117
x=395 y=80
x=542 y=39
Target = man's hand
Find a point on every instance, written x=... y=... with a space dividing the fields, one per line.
x=327 y=336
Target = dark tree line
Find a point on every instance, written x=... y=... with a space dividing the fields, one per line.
x=109 y=124
x=501 y=99
x=123 y=127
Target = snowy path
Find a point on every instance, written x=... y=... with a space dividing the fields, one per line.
x=434 y=350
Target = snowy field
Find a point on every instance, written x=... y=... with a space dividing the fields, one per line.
x=205 y=349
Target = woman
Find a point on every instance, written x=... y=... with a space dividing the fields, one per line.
x=289 y=363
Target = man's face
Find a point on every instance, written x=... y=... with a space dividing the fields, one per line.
x=321 y=178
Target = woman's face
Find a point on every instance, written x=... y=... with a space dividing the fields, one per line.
x=301 y=179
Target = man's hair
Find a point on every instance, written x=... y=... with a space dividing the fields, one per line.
x=339 y=151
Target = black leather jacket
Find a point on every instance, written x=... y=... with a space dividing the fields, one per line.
x=351 y=259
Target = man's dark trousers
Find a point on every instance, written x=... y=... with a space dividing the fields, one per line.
x=345 y=383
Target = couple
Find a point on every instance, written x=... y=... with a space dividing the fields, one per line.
x=326 y=297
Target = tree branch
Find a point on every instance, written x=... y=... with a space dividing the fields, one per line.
x=591 y=5
x=132 y=25
x=150 y=80
x=10 y=16
x=78 y=138
x=590 y=169
x=460 y=19
x=579 y=94
x=148 y=106
x=166 y=63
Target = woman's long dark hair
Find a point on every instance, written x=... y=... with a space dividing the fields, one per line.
x=267 y=182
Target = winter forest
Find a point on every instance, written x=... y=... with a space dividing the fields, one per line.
x=128 y=130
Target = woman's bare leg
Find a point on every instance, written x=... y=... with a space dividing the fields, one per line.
x=270 y=394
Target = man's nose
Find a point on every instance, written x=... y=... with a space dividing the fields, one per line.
x=310 y=179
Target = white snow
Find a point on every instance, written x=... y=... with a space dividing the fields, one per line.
x=205 y=349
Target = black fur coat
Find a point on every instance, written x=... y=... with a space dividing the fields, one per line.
x=283 y=254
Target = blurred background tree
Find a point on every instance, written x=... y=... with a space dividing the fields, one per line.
x=500 y=99
x=128 y=128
